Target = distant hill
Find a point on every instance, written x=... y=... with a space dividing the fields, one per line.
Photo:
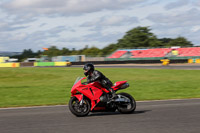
x=6 y=53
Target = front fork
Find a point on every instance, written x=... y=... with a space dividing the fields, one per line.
x=79 y=97
x=81 y=102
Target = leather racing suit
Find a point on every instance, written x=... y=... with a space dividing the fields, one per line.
x=103 y=80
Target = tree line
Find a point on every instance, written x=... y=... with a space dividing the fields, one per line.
x=139 y=37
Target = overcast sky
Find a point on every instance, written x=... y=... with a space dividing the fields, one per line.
x=34 y=24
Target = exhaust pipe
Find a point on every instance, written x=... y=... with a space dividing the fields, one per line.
x=124 y=86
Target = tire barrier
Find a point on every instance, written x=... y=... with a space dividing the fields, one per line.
x=27 y=64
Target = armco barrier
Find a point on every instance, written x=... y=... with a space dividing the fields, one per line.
x=9 y=64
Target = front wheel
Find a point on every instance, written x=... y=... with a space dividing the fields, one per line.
x=128 y=107
x=79 y=109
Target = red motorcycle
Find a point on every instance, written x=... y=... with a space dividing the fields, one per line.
x=93 y=97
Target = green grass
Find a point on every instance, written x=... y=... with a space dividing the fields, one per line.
x=51 y=86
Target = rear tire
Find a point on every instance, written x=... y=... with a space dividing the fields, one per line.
x=127 y=108
x=77 y=109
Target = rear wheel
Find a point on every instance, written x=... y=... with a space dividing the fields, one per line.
x=127 y=107
x=77 y=109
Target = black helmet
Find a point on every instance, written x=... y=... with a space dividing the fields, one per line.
x=89 y=67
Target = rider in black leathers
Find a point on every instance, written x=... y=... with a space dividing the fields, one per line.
x=94 y=75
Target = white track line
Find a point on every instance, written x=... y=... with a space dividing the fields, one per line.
x=170 y=100
x=51 y=106
x=46 y=106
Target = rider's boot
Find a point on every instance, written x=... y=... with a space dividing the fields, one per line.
x=113 y=94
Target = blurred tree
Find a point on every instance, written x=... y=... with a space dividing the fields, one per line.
x=180 y=41
x=165 y=40
x=108 y=49
x=139 y=37
x=92 y=52
x=65 y=51
x=74 y=52
x=81 y=51
x=27 y=53
x=38 y=54
x=52 y=51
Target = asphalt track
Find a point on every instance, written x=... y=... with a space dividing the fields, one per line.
x=173 y=116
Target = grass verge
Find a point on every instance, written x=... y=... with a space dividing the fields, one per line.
x=51 y=86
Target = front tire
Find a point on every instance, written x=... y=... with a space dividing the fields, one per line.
x=128 y=107
x=77 y=109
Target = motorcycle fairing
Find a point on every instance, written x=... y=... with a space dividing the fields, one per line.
x=92 y=91
x=118 y=84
